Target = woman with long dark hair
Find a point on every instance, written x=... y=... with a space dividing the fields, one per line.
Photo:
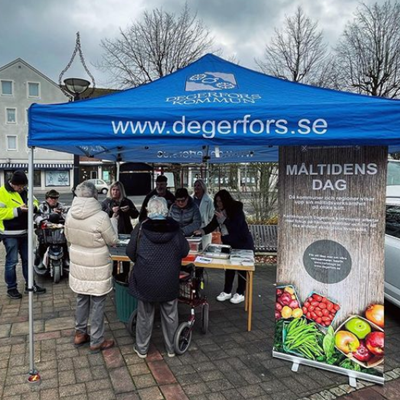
x=230 y=218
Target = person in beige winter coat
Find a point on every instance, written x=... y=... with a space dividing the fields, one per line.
x=89 y=231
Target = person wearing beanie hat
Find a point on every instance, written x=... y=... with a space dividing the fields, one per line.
x=160 y=191
x=14 y=231
x=19 y=178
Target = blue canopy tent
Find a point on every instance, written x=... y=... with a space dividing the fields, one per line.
x=213 y=103
x=210 y=108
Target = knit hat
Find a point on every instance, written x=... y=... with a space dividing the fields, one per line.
x=19 y=178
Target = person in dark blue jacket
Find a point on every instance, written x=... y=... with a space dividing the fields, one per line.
x=230 y=219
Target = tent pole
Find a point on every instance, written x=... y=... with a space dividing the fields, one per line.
x=34 y=376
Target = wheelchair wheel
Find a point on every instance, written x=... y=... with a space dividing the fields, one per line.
x=204 y=317
x=131 y=324
x=183 y=338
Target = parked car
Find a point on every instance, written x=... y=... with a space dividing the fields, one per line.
x=392 y=248
x=101 y=186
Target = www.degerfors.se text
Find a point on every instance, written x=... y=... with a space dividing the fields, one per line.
x=210 y=128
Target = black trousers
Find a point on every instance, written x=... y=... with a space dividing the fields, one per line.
x=230 y=276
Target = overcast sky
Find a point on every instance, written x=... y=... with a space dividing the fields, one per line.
x=43 y=32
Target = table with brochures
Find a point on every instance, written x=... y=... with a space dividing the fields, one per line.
x=119 y=254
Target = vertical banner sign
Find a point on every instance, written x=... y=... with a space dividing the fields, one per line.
x=330 y=276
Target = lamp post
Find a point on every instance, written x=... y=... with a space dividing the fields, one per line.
x=75 y=87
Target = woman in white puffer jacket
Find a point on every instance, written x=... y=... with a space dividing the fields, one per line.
x=89 y=231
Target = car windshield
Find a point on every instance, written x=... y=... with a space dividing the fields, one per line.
x=393 y=177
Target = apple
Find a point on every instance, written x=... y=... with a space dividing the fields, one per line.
x=362 y=353
x=277 y=315
x=376 y=314
x=285 y=299
x=346 y=342
x=278 y=306
x=359 y=327
x=375 y=343
x=294 y=304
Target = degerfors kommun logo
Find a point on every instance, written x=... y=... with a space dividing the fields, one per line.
x=210 y=81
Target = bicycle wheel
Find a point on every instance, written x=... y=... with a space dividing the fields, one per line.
x=131 y=324
x=183 y=338
x=205 y=308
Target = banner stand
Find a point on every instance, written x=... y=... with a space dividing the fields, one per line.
x=329 y=305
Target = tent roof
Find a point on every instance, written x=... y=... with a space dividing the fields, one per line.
x=216 y=108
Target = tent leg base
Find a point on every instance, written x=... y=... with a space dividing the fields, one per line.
x=34 y=377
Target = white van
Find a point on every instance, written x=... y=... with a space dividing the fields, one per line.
x=392 y=236
x=392 y=250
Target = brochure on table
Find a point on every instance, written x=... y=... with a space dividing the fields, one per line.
x=330 y=275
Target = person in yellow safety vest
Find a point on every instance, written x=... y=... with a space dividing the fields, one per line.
x=14 y=231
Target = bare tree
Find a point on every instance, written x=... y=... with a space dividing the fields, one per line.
x=368 y=53
x=296 y=52
x=264 y=195
x=158 y=45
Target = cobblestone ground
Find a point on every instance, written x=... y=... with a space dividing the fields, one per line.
x=227 y=363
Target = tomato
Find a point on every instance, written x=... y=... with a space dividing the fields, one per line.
x=325 y=312
x=317 y=297
x=329 y=306
x=319 y=313
x=315 y=303
x=324 y=300
x=311 y=308
x=308 y=315
x=307 y=304
x=313 y=315
x=322 y=305
x=336 y=307
x=318 y=320
x=325 y=319
x=305 y=310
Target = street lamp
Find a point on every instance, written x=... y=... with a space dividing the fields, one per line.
x=74 y=88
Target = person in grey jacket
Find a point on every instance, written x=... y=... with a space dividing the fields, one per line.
x=157 y=246
x=89 y=232
x=185 y=212
x=206 y=207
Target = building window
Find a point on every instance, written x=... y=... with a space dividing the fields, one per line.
x=11 y=143
x=33 y=89
x=57 y=178
x=11 y=115
x=6 y=88
x=27 y=116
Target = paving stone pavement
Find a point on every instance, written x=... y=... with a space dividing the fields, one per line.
x=226 y=363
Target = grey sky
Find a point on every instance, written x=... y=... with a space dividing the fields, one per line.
x=42 y=32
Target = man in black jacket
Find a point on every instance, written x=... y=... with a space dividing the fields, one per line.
x=157 y=246
x=160 y=191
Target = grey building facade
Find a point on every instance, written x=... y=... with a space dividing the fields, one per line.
x=20 y=86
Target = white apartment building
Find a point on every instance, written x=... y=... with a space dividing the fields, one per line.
x=20 y=86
